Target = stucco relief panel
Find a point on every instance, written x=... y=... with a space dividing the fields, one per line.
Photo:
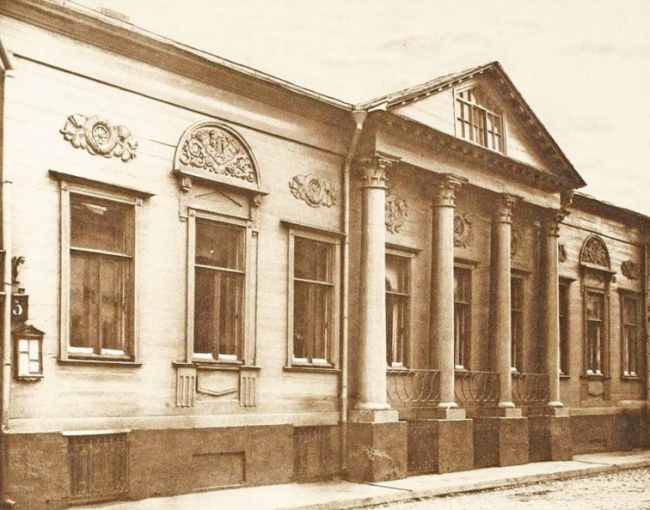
x=98 y=136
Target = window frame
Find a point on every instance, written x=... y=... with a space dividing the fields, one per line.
x=73 y=185
x=331 y=238
x=407 y=297
x=468 y=269
x=626 y=356
x=603 y=369
x=517 y=346
x=469 y=124
x=564 y=287
x=248 y=232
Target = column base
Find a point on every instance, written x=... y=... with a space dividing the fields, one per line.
x=500 y=441
x=512 y=440
x=550 y=436
x=377 y=451
x=374 y=415
x=440 y=446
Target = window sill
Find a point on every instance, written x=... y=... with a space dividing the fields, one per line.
x=99 y=362
x=312 y=368
x=215 y=365
x=631 y=378
x=594 y=377
x=462 y=372
x=565 y=377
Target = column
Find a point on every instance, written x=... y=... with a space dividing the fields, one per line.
x=372 y=404
x=550 y=302
x=442 y=285
x=502 y=223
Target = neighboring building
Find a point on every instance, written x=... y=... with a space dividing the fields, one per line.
x=218 y=278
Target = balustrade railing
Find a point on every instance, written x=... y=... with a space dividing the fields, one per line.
x=476 y=389
x=530 y=389
x=412 y=386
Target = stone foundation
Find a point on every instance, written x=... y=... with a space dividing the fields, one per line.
x=377 y=451
x=160 y=462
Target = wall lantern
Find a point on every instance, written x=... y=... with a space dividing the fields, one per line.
x=28 y=343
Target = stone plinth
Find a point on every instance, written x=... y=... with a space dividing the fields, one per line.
x=377 y=451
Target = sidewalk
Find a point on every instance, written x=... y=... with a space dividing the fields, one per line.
x=340 y=494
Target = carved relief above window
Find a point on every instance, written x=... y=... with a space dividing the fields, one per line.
x=97 y=136
x=216 y=153
x=396 y=212
x=313 y=191
x=595 y=252
x=515 y=242
x=630 y=270
x=561 y=253
x=463 y=231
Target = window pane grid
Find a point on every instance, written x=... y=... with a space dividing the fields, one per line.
x=219 y=283
x=477 y=123
x=313 y=301
x=397 y=309
x=462 y=316
x=595 y=311
x=101 y=277
x=564 y=328
x=630 y=336
x=516 y=323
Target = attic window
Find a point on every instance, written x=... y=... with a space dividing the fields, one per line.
x=476 y=122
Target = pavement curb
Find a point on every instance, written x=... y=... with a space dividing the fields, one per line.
x=598 y=468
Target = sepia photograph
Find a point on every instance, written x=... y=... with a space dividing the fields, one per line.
x=332 y=255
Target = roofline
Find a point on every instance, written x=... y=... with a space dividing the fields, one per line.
x=71 y=8
x=409 y=93
x=590 y=200
x=88 y=16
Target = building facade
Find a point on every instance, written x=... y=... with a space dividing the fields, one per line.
x=210 y=271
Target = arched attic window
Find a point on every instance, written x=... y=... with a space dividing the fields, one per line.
x=478 y=120
x=596 y=276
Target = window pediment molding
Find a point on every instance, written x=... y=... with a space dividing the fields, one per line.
x=218 y=155
x=594 y=255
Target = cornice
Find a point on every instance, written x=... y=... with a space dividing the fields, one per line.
x=122 y=38
x=468 y=151
x=507 y=92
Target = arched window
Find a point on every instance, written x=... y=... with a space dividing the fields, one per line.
x=477 y=120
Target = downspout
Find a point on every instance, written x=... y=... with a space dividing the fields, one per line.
x=359 y=117
x=5 y=195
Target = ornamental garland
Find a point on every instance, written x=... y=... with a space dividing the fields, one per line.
x=97 y=136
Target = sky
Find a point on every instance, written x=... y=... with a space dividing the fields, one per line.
x=578 y=63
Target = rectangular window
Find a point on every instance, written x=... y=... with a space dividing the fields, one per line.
x=219 y=278
x=517 y=323
x=476 y=122
x=397 y=309
x=314 y=300
x=630 y=335
x=595 y=332
x=564 y=327
x=462 y=316
x=101 y=267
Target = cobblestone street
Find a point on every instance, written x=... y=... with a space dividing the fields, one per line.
x=623 y=490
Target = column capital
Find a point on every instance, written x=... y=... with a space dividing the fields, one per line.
x=373 y=167
x=445 y=188
x=551 y=221
x=505 y=203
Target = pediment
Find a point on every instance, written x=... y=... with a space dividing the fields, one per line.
x=482 y=107
x=218 y=155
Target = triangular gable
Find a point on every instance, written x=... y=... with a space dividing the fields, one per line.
x=506 y=124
